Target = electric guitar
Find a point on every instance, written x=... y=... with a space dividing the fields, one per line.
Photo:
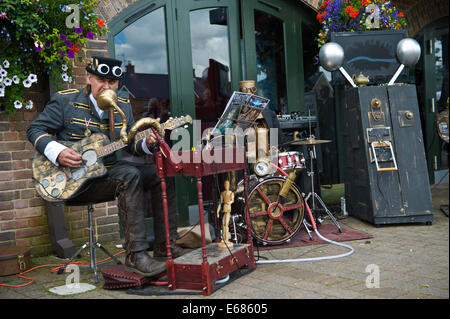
x=58 y=183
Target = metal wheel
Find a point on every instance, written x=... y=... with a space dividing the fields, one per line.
x=273 y=224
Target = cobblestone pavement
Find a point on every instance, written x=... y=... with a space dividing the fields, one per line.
x=412 y=260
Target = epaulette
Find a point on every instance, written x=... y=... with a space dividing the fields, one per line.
x=69 y=91
x=121 y=99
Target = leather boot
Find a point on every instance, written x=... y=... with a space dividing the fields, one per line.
x=160 y=251
x=141 y=263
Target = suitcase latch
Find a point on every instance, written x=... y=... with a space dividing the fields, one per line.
x=21 y=262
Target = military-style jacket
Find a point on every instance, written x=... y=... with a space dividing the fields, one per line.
x=67 y=116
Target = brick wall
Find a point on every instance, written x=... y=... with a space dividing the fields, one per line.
x=23 y=219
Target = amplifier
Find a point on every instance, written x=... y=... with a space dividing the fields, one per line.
x=297 y=121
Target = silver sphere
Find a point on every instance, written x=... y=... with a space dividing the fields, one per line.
x=331 y=56
x=408 y=52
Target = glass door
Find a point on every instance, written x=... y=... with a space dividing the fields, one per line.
x=210 y=59
x=208 y=72
x=272 y=41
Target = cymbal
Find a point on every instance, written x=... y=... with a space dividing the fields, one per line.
x=309 y=141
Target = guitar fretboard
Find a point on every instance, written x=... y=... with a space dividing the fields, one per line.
x=117 y=145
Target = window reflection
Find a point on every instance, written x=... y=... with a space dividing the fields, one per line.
x=210 y=60
x=270 y=60
x=142 y=47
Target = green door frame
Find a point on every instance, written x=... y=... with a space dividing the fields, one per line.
x=181 y=85
x=292 y=16
x=427 y=94
x=186 y=84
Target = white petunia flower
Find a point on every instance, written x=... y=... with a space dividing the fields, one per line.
x=6 y=64
x=15 y=79
x=32 y=77
x=2 y=86
x=17 y=104
x=7 y=82
x=64 y=77
x=64 y=67
x=29 y=106
x=3 y=72
x=2 y=92
x=70 y=79
x=27 y=83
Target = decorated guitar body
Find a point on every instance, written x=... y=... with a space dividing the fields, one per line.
x=57 y=183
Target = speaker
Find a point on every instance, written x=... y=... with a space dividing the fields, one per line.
x=386 y=176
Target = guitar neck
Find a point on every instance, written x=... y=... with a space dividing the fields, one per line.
x=117 y=145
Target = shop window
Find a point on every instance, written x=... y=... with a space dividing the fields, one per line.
x=210 y=61
x=270 y=60
x=142 y=47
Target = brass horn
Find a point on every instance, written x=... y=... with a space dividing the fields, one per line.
x=145 y=121
x=108 y=99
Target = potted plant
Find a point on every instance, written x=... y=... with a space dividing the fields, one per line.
x=357 y=15
x=368 y=31
x=40 y=38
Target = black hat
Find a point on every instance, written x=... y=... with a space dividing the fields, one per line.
x=106 y=68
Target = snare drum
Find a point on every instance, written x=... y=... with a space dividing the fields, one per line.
x=291 y=160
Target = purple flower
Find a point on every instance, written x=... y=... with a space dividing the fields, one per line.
x=78 y=30
x=61 y=52
x=68 y=43
x=90 y=35
x=62 y=37
x=47 y=44
x=38 y=47
x=70 y=54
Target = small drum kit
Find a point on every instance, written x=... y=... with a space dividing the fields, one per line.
x=276 y=203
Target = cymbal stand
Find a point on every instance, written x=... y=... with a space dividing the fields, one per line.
x=313 y=194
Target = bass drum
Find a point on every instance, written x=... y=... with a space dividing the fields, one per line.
x=273 y=224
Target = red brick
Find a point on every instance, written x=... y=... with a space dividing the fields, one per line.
x=11 y=146
x=23 y=155
x=29 y=116
x=28 y=212
x=19 y=165
x=27 y=193
x=29 y=232
x=5 y=166
x=24 y=174
x=6 y=196
x=80 y=224
x=23 y=242
x=10 y=136
x=37 y=221
x=21 y=203
x=12 y=185
x=7 y=215
x=34 y=202
x=6 y=176
x=13 y=224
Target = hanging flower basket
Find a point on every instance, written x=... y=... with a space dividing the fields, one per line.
x=41 y=37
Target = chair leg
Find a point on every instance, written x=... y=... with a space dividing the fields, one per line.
x=92 y=242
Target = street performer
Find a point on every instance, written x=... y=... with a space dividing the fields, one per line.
x=73 y=114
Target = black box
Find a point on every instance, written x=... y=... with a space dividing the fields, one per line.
x=385 y=195
x=372 y=53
